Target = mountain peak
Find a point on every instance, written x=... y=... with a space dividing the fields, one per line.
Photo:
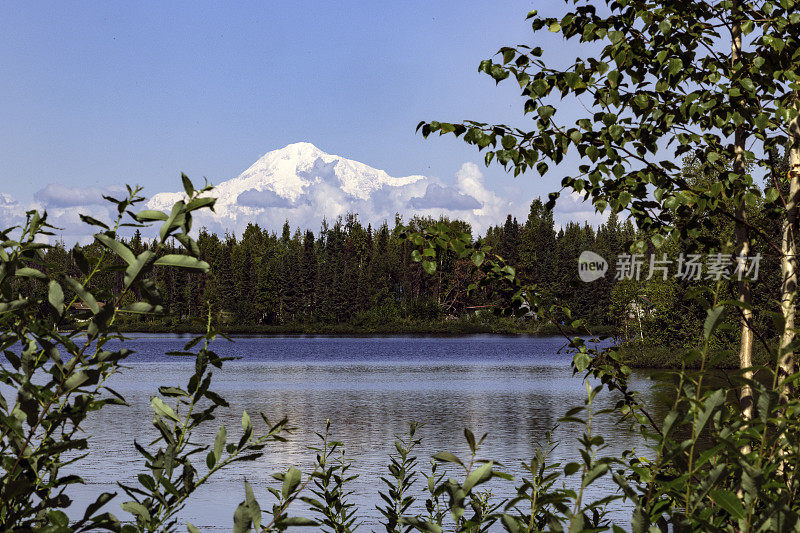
x=301 y=150
x=291 y=175
x=301 y=183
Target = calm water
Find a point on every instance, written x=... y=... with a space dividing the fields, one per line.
x=514 y=388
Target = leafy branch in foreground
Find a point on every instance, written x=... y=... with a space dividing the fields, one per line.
x=401 y=479
x=172 y=477
x=55 y=334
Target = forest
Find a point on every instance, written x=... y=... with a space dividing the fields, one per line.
x=358 y=277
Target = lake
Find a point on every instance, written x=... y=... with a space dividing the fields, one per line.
x=370 y=388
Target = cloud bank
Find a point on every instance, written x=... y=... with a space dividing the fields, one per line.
x=438 y=196
x=304 y=185
x=57 y=195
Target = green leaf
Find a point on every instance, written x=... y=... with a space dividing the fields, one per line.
x=93 y=221
x=80 y=260
x=149 y=214
x=187 y=185
x=616 y=37
x=252 y=506
x=182 y=261
x=675 y=65
x=191 y=528
x=513 y=525
x=429 y=266
x=658 y=240
x=242 y=522
x=546 y=111
x=136 y=509
x=83 y=294
x=27 y=272
x=291 y=480
x=169 y=225
x=55 y=295
x=75 y=380
x=299 y=521
x=771 y=194
x=596 y=471
x=508 y=142
x=117 y=247
x=478 y=476
x=172 y=391
x=199 y=203
x=713 y=318
x=219 y=442
x=13 y=305
x=162 y=410
x=58 y=518
x=133 y=270
x=447 y=457
x=728 y=501
x=422 y=525
x=142 y=308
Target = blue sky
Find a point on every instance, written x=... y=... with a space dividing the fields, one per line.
x=97 y=94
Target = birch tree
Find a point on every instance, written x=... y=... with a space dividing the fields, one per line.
x=659 y=81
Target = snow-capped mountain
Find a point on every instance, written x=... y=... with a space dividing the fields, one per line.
x=293 y=176
x=302 y=184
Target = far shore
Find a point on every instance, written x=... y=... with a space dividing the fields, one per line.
x=634 y=353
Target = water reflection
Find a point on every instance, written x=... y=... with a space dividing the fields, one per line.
x=515 y=389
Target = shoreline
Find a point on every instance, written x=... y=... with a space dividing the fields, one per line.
x=635 y=355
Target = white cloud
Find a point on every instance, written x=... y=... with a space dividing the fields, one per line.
x=62 y=213
x=262 y=199
x=438 y=196
x=573 y=208
x=12 y=213
x=470 y=181
x=57 y=195
x=303 y=185
x=467 y=198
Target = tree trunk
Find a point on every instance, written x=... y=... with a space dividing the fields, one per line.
x=789 y=261
x=742 y=244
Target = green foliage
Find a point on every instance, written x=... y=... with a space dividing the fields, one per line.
x=330 y=487
x=655 y=83
x=56 y=355
x=402 y=476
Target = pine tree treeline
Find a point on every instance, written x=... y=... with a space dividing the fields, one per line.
x=364 y=276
